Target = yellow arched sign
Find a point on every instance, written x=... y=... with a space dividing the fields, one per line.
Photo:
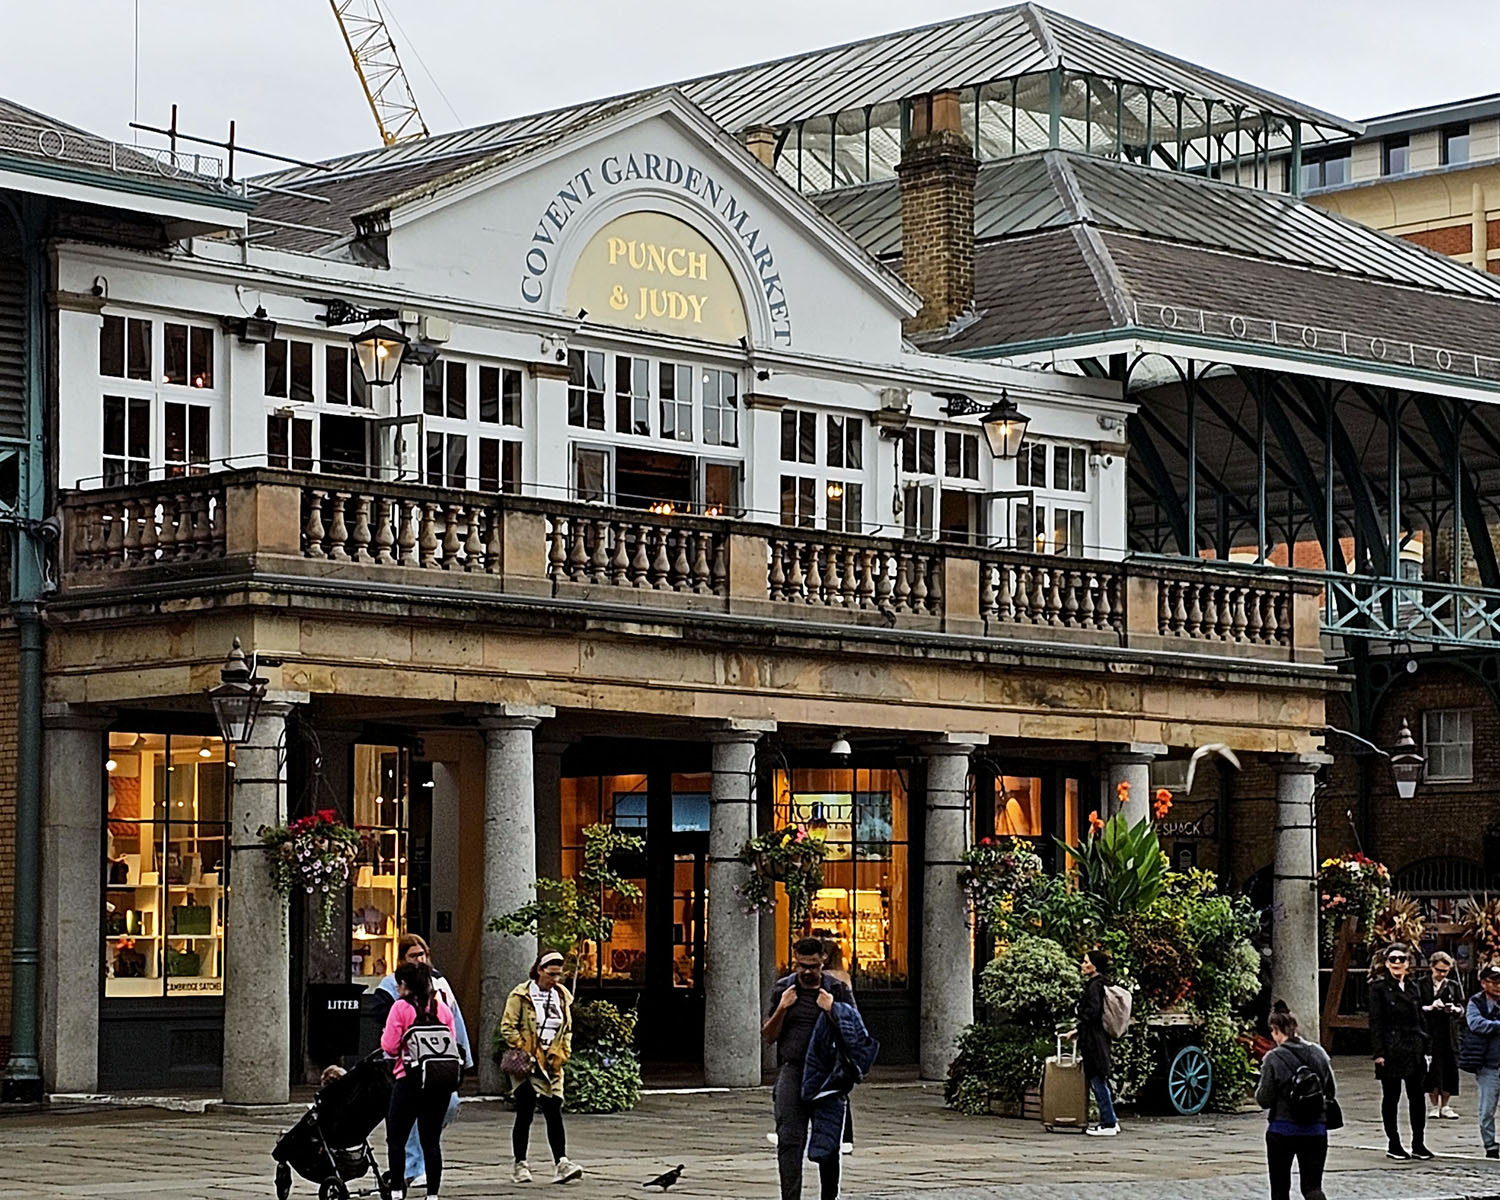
x=647 y=270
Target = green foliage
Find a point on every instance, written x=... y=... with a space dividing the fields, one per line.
x=1049 y=907
x=568 y=913
x=1233 y=1070
x=1162 y=954
x=1219 y=928
x=1133 y=1059
x=791 y=856
x=995 y=1062
x=1121 y=866
x=1033 y=982
x=604 y=1074
x=994 y=873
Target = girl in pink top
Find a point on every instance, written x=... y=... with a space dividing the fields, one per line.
x=411 y=1102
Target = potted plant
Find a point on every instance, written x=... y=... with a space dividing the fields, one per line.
x=792 y=856
x=315 y=856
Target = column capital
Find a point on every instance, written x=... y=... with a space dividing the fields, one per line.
x=515 y=716
x=954 y=743
x=1132 y=752
x=738 y=729
x=76 y=716
x=280 y=703
x=1300 y=764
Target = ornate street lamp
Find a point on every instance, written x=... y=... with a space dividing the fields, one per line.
x=1004 y=424
x=380 y=350
x=1406 y=763
x=236 y=700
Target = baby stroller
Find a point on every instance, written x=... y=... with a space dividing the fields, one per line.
x=330 y=1145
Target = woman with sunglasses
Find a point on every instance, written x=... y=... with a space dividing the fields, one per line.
x=1398 y=1035
x=1443 y=1004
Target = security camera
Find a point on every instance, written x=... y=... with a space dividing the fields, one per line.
x=561 y=355
x=49 y=530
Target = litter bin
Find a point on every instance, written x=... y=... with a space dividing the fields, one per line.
x=333 y=1016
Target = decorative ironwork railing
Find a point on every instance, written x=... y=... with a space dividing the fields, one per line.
x=74 y=146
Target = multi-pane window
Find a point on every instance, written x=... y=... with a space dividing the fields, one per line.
x=918 y=451
x=674 y=384
x=592 y=475
x=125 y=348
x=633 y=397
x=846 y=442
x=289 y=442
x=447 y=459
x=445 y=390
x=499 y=465
x=185 y=431
x=721 y=405
x=500 y=396
x=1326 y=170
x=1069 y=467
x=586 y=389
x=844 y=505
x=799 y=436
x=799 y=501
x=1049 y=528
x=187 y=355
x=960 y=455
x=289 y=370
x=344 y=381
x=1448 y=743
x=1053 y=519
x=127 y=440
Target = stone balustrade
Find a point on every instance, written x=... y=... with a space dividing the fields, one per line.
x=263 y=523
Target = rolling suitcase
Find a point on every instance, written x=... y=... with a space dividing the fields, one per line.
x=1065 y=1092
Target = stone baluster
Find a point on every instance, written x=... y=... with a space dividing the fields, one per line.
x=885 y=583
x=360 y=537
x=203 y=526
x=815 y=580
x=701 y=584
x=1238 y=627
x=661 y=565
x=866 y=579
x=619 y=556
x=901 y=597
x=1212 y=611
x=451 y=541
x=494 y=550
x=474 y=544
x=150 y=541
x=557 y=553
x=312 y=532
x=599 y=555
x=1087 y=590
x=776 y=572
x=935 y=597
x=794 y=586
x=577 y=555
x=1253 y=621
x=406 y=544
x=385 y=536
x=987 y=590
x=338 y=530
x=1179 y=609
x=682 y=569
x=640 y=565
x=849 y=584
x=175 y=530
x=1005 y=596
x=427 y=539
x=1072 y=584
x=132 y=548
x=919 y=584
x=719 y=572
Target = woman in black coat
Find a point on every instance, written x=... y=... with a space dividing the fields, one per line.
x=1398 y=1035
x=1093 y=1042
x=1443 y=1001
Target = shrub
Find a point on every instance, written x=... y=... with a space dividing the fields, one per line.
x=1050 y=908
x=604 y=1074
x=1233 y=1070
x=1033 y=982
x=1133 y=1059
x=1161 y=952
x=995 y=1062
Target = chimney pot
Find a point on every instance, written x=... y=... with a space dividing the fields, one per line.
x=760 y=140
x=937 y=173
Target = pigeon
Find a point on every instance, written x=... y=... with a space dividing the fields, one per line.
x=1201 y=752
x=665 y=1181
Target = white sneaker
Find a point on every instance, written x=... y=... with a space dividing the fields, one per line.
x=1434 y=1112
x=1103 y=1130
x=520 y=1173
x=846 y=1147
x=771 y=1137
x=1449 y=1112
x=566 y=1172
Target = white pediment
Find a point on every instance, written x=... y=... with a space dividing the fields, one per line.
x=664 y=223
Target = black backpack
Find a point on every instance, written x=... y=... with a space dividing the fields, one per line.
x=1303 y=1093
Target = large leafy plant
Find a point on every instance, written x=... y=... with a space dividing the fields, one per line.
x=1032 y=982
x=1120 y=865
x=570 y=913
x=604 y=1074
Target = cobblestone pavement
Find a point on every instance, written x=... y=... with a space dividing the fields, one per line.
x=909 y=1146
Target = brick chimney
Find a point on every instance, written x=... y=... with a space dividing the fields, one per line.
x=937 y=172
x=760 y=140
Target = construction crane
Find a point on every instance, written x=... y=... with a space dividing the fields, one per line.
x=379 y=69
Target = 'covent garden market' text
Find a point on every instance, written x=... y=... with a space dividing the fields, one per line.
x=615 y=169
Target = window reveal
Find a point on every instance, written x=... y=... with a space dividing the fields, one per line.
x=586 y=389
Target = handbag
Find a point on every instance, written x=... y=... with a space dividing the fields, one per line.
x=515 y=1062
x=1333 y=1114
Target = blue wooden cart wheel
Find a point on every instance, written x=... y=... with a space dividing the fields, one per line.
x=1190 y=1081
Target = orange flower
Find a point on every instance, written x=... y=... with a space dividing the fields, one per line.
x=1163 y=804
x=1122 y=792
x=1095 y=824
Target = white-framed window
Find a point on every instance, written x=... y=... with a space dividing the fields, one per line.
x=940 y=484
x=472 y=418
x=445 y=390
x=1448 y=744
x=500 y=396
x=289 y=441
x=586 y=389
x=315 y=393
x=674 y=384
x=721 y=408
x=593 y=474
x=799 y=436
x=633 y=397
x=960 y=455
x=799 y=500
x=1049 y=528
x=159 y=398
x=823 y=478
x=1055 y=519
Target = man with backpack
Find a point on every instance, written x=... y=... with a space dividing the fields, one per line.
x=1479 y=1052
x=1297 y=1090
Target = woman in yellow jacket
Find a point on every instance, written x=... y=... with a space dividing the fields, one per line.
x=537 y=1030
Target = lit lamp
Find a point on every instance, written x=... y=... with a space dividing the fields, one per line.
x=380 y=350
x=1406 y=763
x=236 y=700
x=1005 y=428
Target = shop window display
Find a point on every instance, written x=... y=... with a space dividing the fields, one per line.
x=166 y=841
x=618 y=800
x=381 y=796
x=862 y=906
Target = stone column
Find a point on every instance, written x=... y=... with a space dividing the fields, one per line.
x=509 y=866
x=73 y=776
x=947 y=993
x=1129 y=764
x=731 y=1043
x=1294 y=924
x=257 y=1001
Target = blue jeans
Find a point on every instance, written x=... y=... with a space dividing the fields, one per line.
x=415 y=1164
x=1100 y=1087
x=1489 y=1095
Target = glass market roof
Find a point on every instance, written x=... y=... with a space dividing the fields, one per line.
x=1029 y=78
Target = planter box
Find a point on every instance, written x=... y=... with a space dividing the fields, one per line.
x=1028 y=1107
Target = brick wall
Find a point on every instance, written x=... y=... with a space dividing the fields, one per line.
x=8 y=690
x=1452 y=239
x=937 y=226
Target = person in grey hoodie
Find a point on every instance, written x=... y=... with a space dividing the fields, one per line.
x=1289 y=1134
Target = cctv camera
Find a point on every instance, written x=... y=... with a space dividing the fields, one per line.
x=49 y=530
x=562 y=355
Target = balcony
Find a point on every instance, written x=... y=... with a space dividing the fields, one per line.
x=179 y=536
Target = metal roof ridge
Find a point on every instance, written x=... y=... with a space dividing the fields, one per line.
x=1036 y=17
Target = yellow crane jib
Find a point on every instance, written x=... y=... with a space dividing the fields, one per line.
x=379 y=69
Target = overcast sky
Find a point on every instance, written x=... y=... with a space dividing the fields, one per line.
x=279 y=67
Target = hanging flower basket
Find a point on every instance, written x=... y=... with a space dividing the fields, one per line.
x=315 y=856
x=1351 y=885
x=997 y=869
x=791 y=856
